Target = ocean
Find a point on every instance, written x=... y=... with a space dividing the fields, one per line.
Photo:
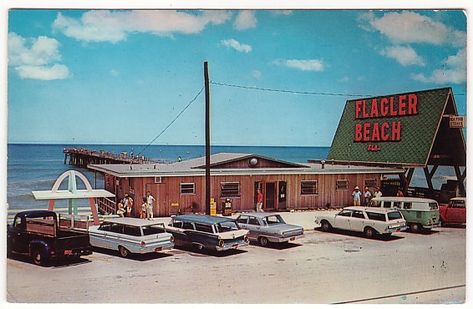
x=34 y=167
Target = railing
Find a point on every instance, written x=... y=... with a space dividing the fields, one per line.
x=106 y=206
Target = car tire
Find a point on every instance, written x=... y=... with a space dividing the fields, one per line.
x=415 y=228
x=263 y=241
x=39 y=258
x=124 y=252
x=369 y=232
x=326 y=226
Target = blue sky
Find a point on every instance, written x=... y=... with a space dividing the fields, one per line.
x=78 y=76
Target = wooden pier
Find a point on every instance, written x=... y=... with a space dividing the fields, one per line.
x=81 y=157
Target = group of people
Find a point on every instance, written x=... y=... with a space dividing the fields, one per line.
x=364 y=198
x=125 y=206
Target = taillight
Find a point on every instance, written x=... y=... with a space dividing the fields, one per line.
x=221 y=243
x=172 y=239
x=142 y=244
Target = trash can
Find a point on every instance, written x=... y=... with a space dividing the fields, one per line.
x=227 y=207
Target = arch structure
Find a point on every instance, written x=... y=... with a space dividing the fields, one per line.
x=73 y=193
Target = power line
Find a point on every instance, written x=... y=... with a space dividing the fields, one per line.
x=175 y=118
x=290 y=91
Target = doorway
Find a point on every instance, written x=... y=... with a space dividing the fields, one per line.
x=282 y=195
x=270 y=196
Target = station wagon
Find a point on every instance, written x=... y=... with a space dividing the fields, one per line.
x=266 y=227
x=370 y=221
x=131 y=235
x=210 y=232
x=420 y=213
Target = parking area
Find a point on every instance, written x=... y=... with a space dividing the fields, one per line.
x=319 y=268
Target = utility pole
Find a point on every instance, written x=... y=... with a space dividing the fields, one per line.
x=207 y=138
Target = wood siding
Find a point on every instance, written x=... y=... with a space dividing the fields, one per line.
x=167 y=193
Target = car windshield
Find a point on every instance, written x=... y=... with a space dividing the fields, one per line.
x=153 y=229
x=394 y=215
x=227 y=226
x=458 y=204
x=433 y=206
x=275 y=219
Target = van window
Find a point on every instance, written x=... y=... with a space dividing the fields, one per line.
x=203 y=228
x=153 y=229
x=433 y=206
x=394 y=215
x=397 y=205
x=187 y=226
x=376 y=216
x=457 y=204
x=386 y=204
x=407 y=205
x=358 y=214
x=242 y=219
x=131 y=230
x=226 y=227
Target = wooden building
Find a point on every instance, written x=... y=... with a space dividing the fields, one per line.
x=180 y=187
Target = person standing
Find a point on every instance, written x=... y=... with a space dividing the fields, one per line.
x=129 y=206
x=377 y=194
x=120 y=210
x=125 y=204
x=367 y=196
x=356 y=196
x=149 y=207
x=259 y=201
x=143 y=208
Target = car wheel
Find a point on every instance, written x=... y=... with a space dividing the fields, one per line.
x=39 y=258
x=123 y=252
x=415 y=228
x=326 y=227
x=369 y=232
x=263 y=241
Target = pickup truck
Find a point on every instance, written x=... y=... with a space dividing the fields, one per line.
x=36 y=233
x=454 y=212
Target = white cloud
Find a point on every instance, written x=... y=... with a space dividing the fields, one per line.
x=256 y=74
x=232 y=43
x=282 y=12
x=245 y=20
x=34 y=58
x=56 y=71
x=315 y=65
x=114 y=26
x=453 y=71
x=405 y=55
x=411 y=27
x=114 y=72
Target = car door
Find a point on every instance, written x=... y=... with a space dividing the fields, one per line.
x=342 y=220
x=114 y=237
x=242 y=221
x=456 y=212
x=357 y=221
x=19 y=241
x=254 y=226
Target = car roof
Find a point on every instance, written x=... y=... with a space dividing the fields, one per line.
x=370 y=209
x=205 y=219
x=36 y=213
x=259 y=214
x=404 y=199
x=132 y=221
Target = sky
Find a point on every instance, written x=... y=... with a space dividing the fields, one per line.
x=122 y=76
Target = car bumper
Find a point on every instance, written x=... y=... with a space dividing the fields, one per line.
x=72 y=253
x=431 y=225
x=395 y=229
x=154 y=248
x=235 y=245
x=284 y=239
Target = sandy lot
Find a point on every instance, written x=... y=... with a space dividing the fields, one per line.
x=320 y=268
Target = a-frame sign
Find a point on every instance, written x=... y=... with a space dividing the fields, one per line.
x=407 y=130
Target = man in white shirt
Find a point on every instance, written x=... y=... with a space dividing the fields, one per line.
x=149 y=205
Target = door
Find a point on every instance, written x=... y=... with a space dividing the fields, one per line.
x=357 y=221
x=342 y=220
x=282 y=185
x=269 y=196
x=19 y=239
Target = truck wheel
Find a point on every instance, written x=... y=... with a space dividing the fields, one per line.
x=263 y=241
x=369 y=232
x=123 y=251
x=326 y=227
x=39 y=258
x=415 y=228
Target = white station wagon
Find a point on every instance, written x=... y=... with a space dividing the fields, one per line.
x=370 y=221
x=131 y=235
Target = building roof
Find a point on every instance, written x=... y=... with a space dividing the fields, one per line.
x=66 y=194
x=193 y=167
x=205 y=219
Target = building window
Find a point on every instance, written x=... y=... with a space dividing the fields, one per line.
x=342 y=184
x=229 y=189
x=371 y=183
x=187 y=188
x=309 y=187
